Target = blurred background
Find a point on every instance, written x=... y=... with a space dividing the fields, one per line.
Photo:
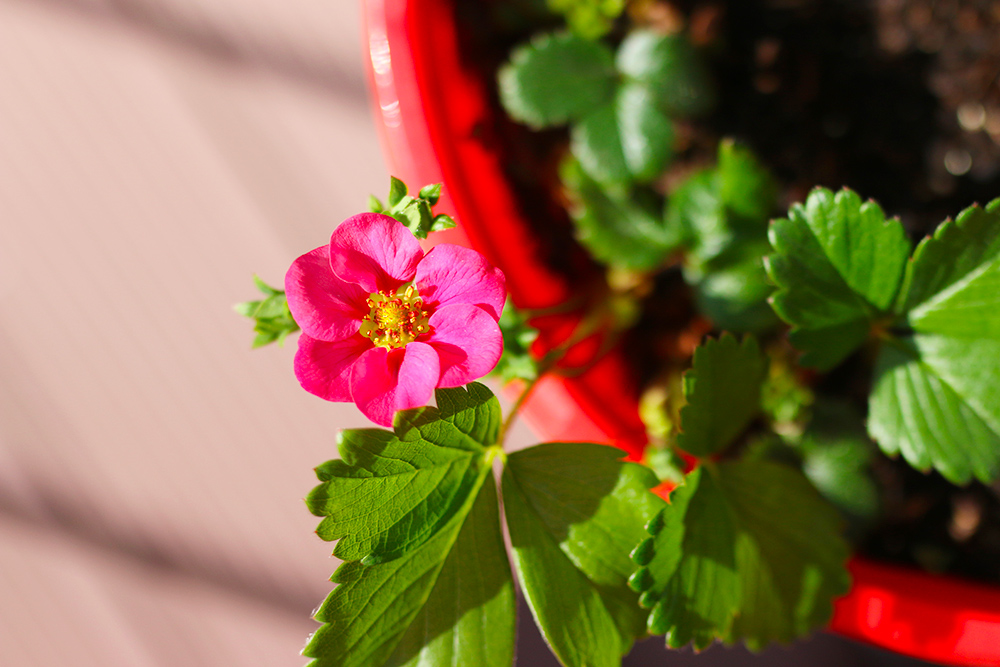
x=154 y=154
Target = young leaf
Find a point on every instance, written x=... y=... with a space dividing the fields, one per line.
x=392 y=491
x=838 y=264
x=557 y=78
x=574 y=511
x=273 y=320
x=589 y=18
x=723 y=394
x=745 y=551
x=618 y=226
x=672 y=69
x=427 y=605
x=518 y=337
x=935 y=394
x=397 y=190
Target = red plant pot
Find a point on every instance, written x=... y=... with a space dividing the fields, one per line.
x=430 y=111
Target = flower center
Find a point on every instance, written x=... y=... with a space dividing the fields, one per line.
x=395 y=319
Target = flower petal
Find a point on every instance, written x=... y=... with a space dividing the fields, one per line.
x=326 y=307
x=384 y=381
x=374 y=251
x=324 y=368
x=451 y=274
x=468 y=341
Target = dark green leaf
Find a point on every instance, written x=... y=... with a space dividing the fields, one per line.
x=646 y=133
x=394 y=612
x=620 y=227
x=734 y=294
x=595 y=141
x=391 y=492
x=574 y=512
x=557 y=78
x=468 y=620
x=723 y=394
x=838 y=264
x=745 y=551
x=672 y=69
x=691 y=580
x=838 y=468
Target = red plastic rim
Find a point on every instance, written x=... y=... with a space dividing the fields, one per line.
x=428 y=108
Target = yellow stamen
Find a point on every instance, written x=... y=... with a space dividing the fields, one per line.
x=395 y=319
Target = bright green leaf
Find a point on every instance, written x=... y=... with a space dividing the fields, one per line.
x=392 y=491
x=672 y=69
x=557 y=78
x=838 y=264
x=920 y=406
x=371 y=618
x=588 y=18
x=574 y=512
x=723 y=394
x=432 y=193
x=468 y=620
x=273 y=320
x=397 y=190
x=620 y=227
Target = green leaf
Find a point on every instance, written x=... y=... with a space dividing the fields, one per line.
x=646 y=133
x=838 y=468
x=273 y=320
x=397 y=190
x=745 y=551
x=915 y=411
x=723 y=394
x=956 y=252
x=391 y=492
x=557 y=78
x=734 y=294
x=595 y=141
x=936 y=397
x=838 y=264
x=518 y=337
x=589 y=18
x=574 y=511
x=442 y=222
x=620 y=227
x=691 y=581
x=427 y=604
x=432 y=193
x=375 y=205
x=670 y=67
x=468 y=620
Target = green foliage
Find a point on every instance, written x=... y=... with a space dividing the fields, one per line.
x=619 y=226
x=413 y=508
x=720 y=216
x=671 y=68
x=518 y=337
x=557 y=78
x=622 y=130
x=723 y=394
x=746 y=551
x=574 y=512
x=273 y=320
x=589 y=18
x=838 y=264
x=425 y=604
x=391 y=492
x=414 y=212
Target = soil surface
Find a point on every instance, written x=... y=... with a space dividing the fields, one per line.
x=896 y=99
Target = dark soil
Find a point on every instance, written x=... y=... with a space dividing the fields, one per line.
x=896 y=99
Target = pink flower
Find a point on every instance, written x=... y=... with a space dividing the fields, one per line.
x=383 y=324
